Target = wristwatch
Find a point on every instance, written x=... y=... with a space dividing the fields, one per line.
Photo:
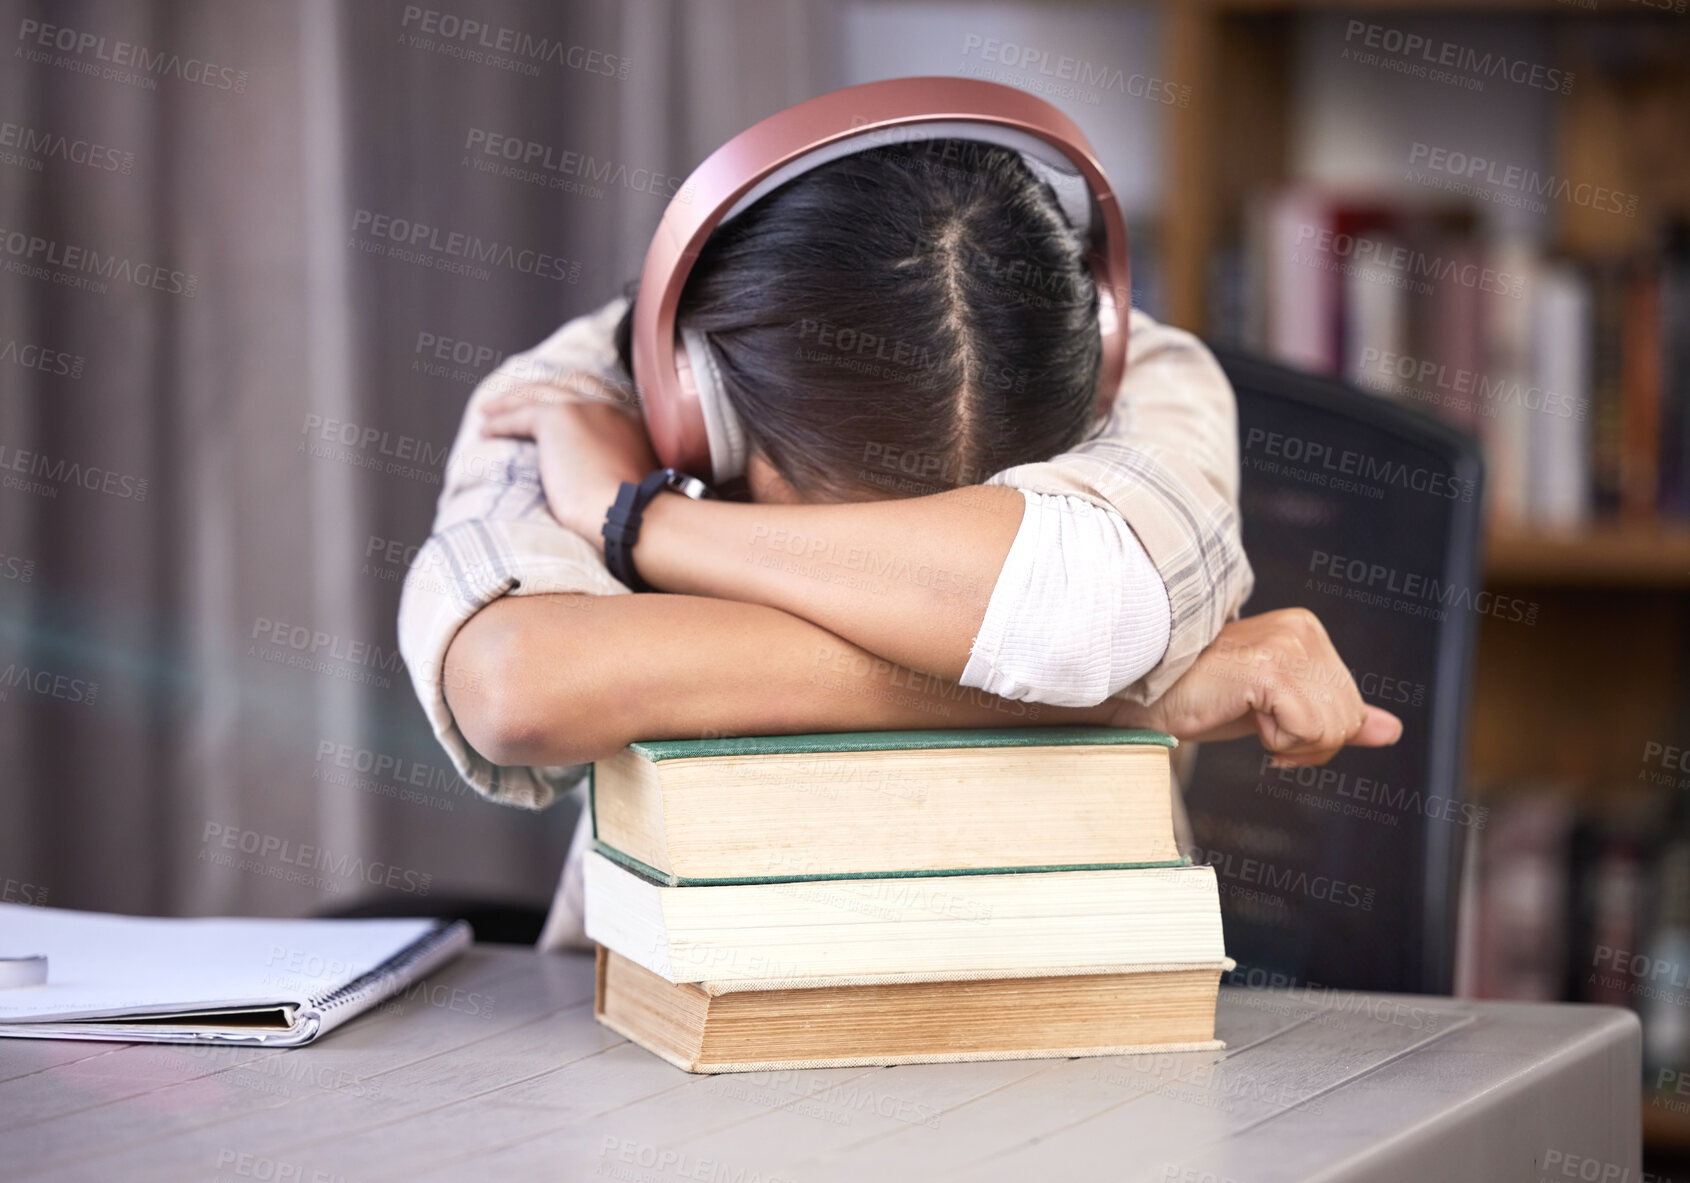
x=621 y=527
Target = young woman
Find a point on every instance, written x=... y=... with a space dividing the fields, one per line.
x=934 y=530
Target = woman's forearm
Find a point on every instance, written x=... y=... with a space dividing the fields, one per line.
x=534 y=680
x=908 y=580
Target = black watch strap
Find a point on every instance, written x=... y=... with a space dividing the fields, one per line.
x=621 y=527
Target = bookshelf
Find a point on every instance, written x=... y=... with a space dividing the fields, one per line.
x=1621 y=556
x=1665 y=1128
x=1608 y=660
x=1234 y=54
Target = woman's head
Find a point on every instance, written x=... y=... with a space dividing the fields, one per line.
x=900 y=321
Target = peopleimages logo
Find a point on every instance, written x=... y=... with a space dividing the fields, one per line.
x=1291 y=880
x=130 y=55
x=532 y=159
x=1076 y=70
x=455 y=251
x=15 y=568
x=1326 y=785
x=478 y=41
x=16 y=891
x=1528 y=181
x=385 y=774
x=1375 y=580
x=47 y=684
x=37 y=257
x=39 y=468
x=271 y=851
x=1333 y=1002
x=1347 y=462
x=51 y=145
x=1672 y=760
x=317 y=643
x=1413 y=267
x=1434 y=52
x=680 y=1163
x=1404 y=374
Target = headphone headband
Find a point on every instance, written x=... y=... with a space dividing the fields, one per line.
x=856 y=118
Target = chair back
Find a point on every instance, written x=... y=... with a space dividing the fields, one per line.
x=1368 y=513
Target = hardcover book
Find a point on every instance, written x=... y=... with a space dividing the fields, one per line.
x=713 y=1027
x=887 y=803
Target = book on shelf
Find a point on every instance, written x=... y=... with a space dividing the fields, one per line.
x=1523 y=892
x=1558 y=488
x=1661 y=972
x=1606 y=393
x=1585 y=897
x=1608 y=857
x=1641 y=363
x=1507 y=361
x=1574 y=371
x=1674 y=375
x=895 y=897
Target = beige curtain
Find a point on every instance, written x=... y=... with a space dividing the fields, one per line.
x=213 y=466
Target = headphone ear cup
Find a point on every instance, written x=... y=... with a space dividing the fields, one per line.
x=722 y=427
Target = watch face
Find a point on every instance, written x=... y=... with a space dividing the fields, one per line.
x=690 y=486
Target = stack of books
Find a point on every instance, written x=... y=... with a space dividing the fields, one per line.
x=899 y=897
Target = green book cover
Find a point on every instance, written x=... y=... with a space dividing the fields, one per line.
x=900 y=741
x=664 y=879
x=878 y=741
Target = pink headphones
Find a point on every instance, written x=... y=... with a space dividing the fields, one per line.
x=692 y=424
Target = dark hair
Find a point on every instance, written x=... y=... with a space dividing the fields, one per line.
x=901 y=320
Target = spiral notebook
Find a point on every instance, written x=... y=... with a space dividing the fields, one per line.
x=275 y=983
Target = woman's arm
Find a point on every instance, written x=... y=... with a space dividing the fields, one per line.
x=912 y=579
x=555 y=679
x=908 y=580
x=564 y=679
x=494 y=536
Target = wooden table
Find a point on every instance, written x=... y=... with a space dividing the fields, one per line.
x=496 y=1070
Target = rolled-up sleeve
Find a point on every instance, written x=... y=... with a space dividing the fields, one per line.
x=493 y=536
x=1078 y=612
x=1166 y=461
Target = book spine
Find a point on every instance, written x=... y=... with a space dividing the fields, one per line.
x=1640 y=367
x=1559 y=476
x=1506 y=426
x=1675 y=377
x=1302 y=296
x=1607 y=391
x=1454 y=337
x=1375 y=320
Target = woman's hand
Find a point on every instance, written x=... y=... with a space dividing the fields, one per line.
x=1275 y=675
x=588 y=447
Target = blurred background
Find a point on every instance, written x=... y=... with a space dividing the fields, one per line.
x=238 y=326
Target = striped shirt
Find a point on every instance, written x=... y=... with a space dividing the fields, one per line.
x=1165 y=459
